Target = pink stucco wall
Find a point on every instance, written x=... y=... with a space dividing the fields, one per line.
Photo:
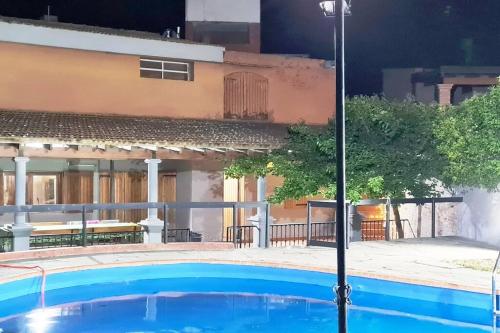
x=55 y=79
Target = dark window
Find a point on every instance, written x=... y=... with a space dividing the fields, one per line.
x=221 y=32
x=166 y=69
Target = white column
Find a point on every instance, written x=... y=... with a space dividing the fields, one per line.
x=21 y=230
x=95 y=191
x=259 y=220
x=261 y=193
x=20 y=218
x=153 y=186
x=152 y=225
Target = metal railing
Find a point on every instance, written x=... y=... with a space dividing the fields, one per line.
x=375 y=229
x=86 y=237
x=179 y=235
x=5 y=242
x=93 y=238
x=290 y=234
x=244 y=235
x=494 y=294
x=296 y=233
x=102 y=238
x=372 y=229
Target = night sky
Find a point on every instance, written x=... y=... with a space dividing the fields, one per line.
x=379 y=34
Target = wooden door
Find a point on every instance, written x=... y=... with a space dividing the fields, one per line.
x=77 y=187
x=167 y=193
x=8 y=189
x=104 y=195
x=233 y=192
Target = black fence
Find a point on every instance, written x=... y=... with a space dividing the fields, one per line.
x=296 y=233
x=180 y=235
x=103 y=238
x=5 y=243
x=244 y=235
x=92 y=238
x=291 y=234
x=375 y=229
x=87 y=235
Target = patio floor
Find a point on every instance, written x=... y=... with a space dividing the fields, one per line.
x=445 y=262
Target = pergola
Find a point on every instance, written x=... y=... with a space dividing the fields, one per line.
x=52 y=135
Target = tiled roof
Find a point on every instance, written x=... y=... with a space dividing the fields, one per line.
x=93 y=29
x=68 y=128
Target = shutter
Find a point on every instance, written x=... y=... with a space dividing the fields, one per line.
x=246 y=96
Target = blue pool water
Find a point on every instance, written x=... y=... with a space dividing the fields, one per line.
x=192 y=298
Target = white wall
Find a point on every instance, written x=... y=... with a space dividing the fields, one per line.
x=208 y=186
x=477 y=218
x=200 y=182
x=81 y=40
x=480 y=217
x=223 y=10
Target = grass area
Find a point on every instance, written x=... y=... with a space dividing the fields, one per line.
x=484 y=265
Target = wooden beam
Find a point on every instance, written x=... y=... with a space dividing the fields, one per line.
x=237 y=150
x=148 y=147
x=199 y=150
x=218 y=150
x=176 y=149
x=127 y=148
x=88 y=152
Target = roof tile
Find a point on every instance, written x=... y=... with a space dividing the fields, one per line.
x=52 y=127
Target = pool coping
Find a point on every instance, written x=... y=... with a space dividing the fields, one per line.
x=135 y=248
x=110 y=249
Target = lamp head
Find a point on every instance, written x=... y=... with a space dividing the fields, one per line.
x=328 y=8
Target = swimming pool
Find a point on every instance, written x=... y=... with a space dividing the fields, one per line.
x=192 y=298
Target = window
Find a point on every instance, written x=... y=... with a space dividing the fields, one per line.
x=44 y=189
x=166 y=69
x=221 y=33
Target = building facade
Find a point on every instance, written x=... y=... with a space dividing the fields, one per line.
x=87 y=113
x=447 y=85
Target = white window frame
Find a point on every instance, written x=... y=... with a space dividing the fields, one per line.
x=163 y=70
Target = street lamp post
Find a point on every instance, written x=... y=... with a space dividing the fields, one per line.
x=338 y=9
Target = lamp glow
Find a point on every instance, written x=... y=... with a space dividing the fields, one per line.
x=328 y=8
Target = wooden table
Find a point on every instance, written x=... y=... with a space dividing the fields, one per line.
x=77 y=228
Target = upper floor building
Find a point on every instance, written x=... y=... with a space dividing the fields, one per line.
x=232 y=23
x=446 y=85
x=60 y=67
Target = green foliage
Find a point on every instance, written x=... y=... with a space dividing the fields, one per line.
x=390 y=151
x=469 y=136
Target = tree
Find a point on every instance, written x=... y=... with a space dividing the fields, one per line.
x=469 y=136
x=390 y=152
